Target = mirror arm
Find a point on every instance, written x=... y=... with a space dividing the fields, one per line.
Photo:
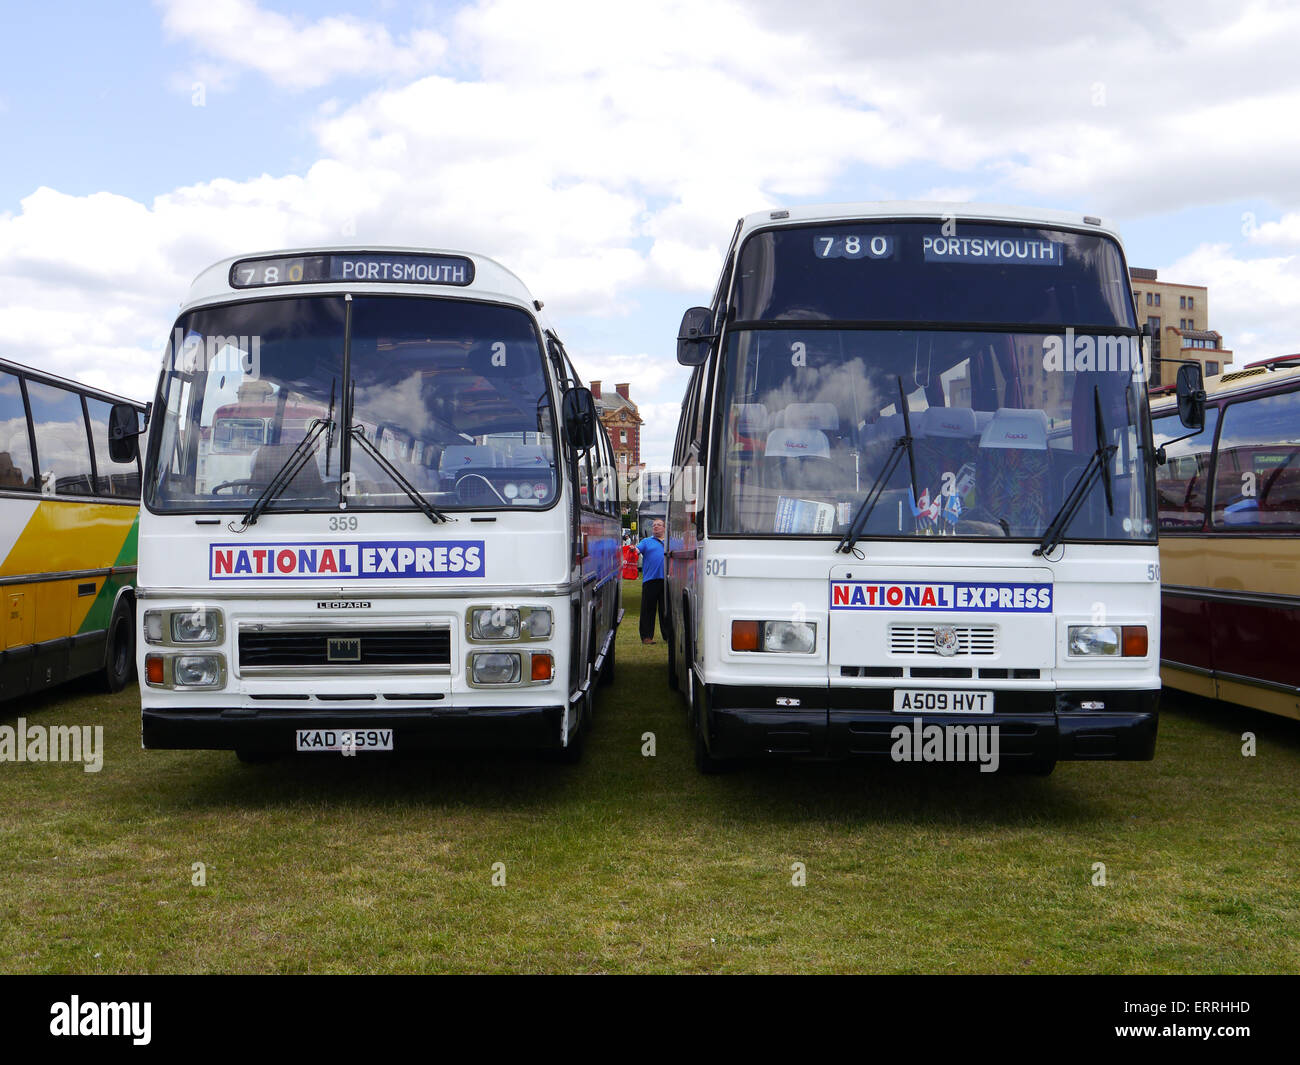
x=1160 y=451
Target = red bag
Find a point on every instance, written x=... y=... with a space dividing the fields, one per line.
x=630 y=556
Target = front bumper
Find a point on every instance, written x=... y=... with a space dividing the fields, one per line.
x=414 y=728
x=844 y=722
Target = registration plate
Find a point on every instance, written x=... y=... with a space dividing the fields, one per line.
x=951 y=701
x=345 y=739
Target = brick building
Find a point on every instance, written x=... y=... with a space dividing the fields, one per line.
x=623 y=423
x=1179 y=318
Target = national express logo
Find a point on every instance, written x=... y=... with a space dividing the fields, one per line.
x=390 y=559
x=916 y=595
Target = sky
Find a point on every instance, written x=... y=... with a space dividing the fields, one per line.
x=604 y=150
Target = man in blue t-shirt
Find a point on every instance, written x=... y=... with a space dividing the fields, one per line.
x=652 y=582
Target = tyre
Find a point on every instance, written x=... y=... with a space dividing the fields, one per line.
x=572 y=754
x=670 y=638
x=250 y=756
x=119 y=649
x=705 y=762
x=686 y=666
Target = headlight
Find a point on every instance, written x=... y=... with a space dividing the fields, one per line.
x=537 y=625
x=774 y=637
x=185 y=671
x=500 y=623
x=196 y=671
x=494 y=623
x=1094 y=640
x=196 y=626
x=153 y=626
x=191 y=625
x=495 y=667
x=789 y=637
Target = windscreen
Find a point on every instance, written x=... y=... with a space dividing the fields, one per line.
x=1002 y=426
x=450 y=394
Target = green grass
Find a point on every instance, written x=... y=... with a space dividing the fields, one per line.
x=635 y=864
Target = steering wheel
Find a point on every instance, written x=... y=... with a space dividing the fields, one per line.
x=245 y=483
x=465 y=494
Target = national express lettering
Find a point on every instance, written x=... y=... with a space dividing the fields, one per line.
x=388 y=559
x=913 y=595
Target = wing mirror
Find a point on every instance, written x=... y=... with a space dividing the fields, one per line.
x=123 y=433
x=695 y=336
x=579 y=412
x=1190 y=390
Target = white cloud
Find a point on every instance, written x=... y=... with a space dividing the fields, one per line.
x=294 y=53
x=604 y=152
x=645 y=373
x=658 y=433
x=1254 y=303
x=1281 y=231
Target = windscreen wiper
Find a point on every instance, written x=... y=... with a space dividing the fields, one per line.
x=1098 y=466
x=358 y=433
x=293 y=465
x=904 y=443
x=329 y=432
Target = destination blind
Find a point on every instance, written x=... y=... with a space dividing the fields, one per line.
x=925 y=271
x=392 y=268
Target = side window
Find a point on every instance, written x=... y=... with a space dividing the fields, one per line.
x=118 y=479
x=586 y=487
x=690 y=412
x=679 y=442
x=62 y=446
x=611 y=475
x=1182 y=483
x=599 y=465
x=1257 y=483
x=16 y=467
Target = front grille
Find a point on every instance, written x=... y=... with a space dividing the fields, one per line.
x=980 y=640
x=379 y=648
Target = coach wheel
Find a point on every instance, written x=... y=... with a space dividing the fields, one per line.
x=670 y=638
x=1035 y=767
x=119 y=652
x=704 y=761
x=572 y=754
x=686 y=673
x=250 y=756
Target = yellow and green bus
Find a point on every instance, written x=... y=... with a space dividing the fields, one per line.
x=68 y=519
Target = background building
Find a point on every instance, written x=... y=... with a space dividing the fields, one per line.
x=1179 y=316
x=623 y=423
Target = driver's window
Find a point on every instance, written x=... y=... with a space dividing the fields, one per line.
x=1257 y=480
